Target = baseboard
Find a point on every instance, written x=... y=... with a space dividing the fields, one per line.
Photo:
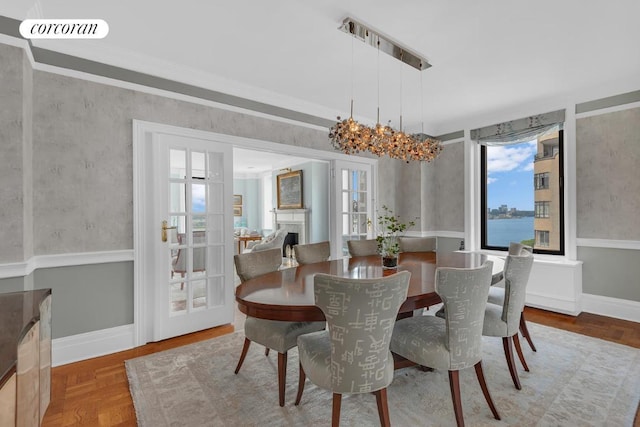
x=611 y=307
x=91 y=344
x=552 y=303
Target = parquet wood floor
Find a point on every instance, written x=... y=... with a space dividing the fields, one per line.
x=95 y=392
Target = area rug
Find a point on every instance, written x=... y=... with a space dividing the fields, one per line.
x=574 y=380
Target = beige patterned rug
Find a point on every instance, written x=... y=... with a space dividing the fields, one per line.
x=574 y=381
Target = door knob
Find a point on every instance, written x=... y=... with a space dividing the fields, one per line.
x=164 y=230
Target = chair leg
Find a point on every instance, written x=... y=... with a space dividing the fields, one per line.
x=282 y=376
x=508 y=352
x=485 y=390
x=245 y=348
x=516 y=342
x=383 y=407
x=301 y=379
x=266 y=351
x=335 y=410
x=454 y=383
x=525 y=332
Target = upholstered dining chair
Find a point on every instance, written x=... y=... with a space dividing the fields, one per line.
x=455 y=342
x=353 y=355
x=417 y=244
x=362 y=247
x=504 y=320
x=312 y=252
x=496 y=293
x=278 y=335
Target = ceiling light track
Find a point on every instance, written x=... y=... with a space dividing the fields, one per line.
x=386 y=45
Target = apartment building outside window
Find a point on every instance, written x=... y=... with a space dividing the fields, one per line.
x=542 y=210
x=541 y=181
x=542 y=238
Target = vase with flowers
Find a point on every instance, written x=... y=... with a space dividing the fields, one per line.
x=390 y=229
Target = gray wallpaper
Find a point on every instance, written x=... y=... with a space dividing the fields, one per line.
x=11 y=160
x=608 y=176
x=428 y=195
x=448 y=181
x=387 y=182
x=83 y=156
x=409 y=193
x=27 y=157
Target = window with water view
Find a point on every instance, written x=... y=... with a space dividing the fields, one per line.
x=522 y=199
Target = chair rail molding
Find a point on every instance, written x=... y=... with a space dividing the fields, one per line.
x=18 y=269
x=611 y=244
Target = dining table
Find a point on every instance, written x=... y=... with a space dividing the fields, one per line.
x=287 y=294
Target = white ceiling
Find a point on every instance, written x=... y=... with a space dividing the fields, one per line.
x=488 y=56
x=252 y=163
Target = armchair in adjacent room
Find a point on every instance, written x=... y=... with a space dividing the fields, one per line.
x=272 y=241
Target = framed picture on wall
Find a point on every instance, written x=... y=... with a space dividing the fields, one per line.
x=237 y=200
x=289 y=186
x=237 y=211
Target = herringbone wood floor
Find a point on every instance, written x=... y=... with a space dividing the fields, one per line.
x=95 y=392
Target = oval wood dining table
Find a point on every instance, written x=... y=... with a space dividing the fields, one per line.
x=287 y=294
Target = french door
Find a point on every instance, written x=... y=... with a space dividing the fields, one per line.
x=354 y=201
x=192 y=284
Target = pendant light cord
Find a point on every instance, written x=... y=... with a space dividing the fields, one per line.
x=378 y=80
x=421 y=105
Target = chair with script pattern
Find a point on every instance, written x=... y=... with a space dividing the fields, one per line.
x=353 y=355
x=455 y=342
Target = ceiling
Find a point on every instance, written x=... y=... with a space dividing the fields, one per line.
x=488 y=57
x=252 y=163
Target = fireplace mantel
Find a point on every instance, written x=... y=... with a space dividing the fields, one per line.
x=294 y=221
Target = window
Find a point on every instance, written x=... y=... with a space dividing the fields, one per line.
x=514 y=210
x=542 y=238
x=541 y=181
x=542 y=209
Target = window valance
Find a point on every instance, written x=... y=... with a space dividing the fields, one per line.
x=520 y=130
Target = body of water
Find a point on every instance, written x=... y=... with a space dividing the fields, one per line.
x=503 y=231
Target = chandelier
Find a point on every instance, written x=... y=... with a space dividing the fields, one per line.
x=352 y=137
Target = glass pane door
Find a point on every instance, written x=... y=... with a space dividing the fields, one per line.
x=196 y=282
x=355 y=200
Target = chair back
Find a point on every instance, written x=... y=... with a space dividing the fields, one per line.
x=417 y=244
x=362 y=247
x=360 y=315
x=464 y=293
x=517 y=270
x=312 y=252
x=254 y=264
x=519 y=249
